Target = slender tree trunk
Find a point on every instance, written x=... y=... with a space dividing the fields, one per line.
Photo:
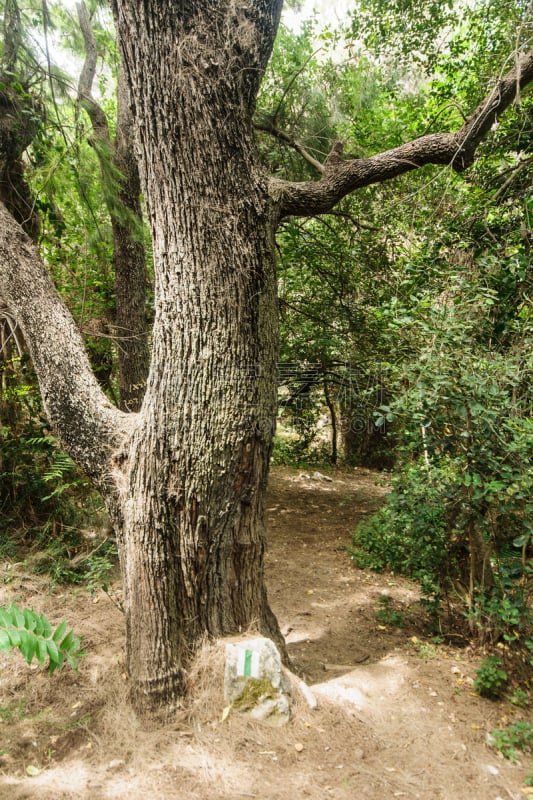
x=129 y=262
x=333 y=417
x=120 y=179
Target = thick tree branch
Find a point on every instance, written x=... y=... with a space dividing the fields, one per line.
x=454 y=149
x=88 y=425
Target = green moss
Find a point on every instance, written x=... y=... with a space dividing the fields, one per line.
x=254 y=690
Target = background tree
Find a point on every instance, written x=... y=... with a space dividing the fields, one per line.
x=120 y=181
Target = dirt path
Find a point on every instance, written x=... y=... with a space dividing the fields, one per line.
x=397 y=716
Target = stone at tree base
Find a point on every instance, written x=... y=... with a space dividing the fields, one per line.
x=254 y=682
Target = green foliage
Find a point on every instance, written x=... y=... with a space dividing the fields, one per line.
x=511 y=741
x=39 y=485
x=32 y=634
x=519 y=698
x=459 y=516
x=409 y=534
x=402 y=30
x=387 y=614
x=491 y=678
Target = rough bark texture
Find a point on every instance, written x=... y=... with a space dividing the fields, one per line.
x=129 y=263
x=19 y=123
x=192 y=525
x=88 y=424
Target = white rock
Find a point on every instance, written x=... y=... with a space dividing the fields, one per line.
x=254 y=666
x=319 y=476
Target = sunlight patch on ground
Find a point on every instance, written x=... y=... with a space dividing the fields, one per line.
x=364 y=686
x=74 y=775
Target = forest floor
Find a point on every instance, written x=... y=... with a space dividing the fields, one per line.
x=397 y=715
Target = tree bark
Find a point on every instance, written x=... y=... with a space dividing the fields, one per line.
x=129 y=264
x=88 y=424
x=191 y=524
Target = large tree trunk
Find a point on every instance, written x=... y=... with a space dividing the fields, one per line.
x=191 y=518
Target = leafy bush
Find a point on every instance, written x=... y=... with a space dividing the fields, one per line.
x=409 y=534
x=458 y=519
x=491 y=678
x=39 y=483
x=510 y=741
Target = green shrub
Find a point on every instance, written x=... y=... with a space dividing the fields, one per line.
x=491 y=678
x=409 y=534
x=517 y=738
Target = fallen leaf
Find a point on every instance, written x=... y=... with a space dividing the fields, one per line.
x=32 y=771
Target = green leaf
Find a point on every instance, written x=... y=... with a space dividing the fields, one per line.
x=14 y=636
x=47 y=628
x=5 y=642
x=67 y=641
x=60 y=631
x=53 y=653
x=28 y=645
x=42 y=651
x=5 y=618
x=72 y=661
x=30 y=619
x=17 y=615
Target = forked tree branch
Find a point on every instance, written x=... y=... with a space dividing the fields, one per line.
x=458 y=150
x=88 y=425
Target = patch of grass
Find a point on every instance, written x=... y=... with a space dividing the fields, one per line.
x=428 y=651
x=18 y=711
x=519 y=698
x=14 y=712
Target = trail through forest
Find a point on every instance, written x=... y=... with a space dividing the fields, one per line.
x=397 y=715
